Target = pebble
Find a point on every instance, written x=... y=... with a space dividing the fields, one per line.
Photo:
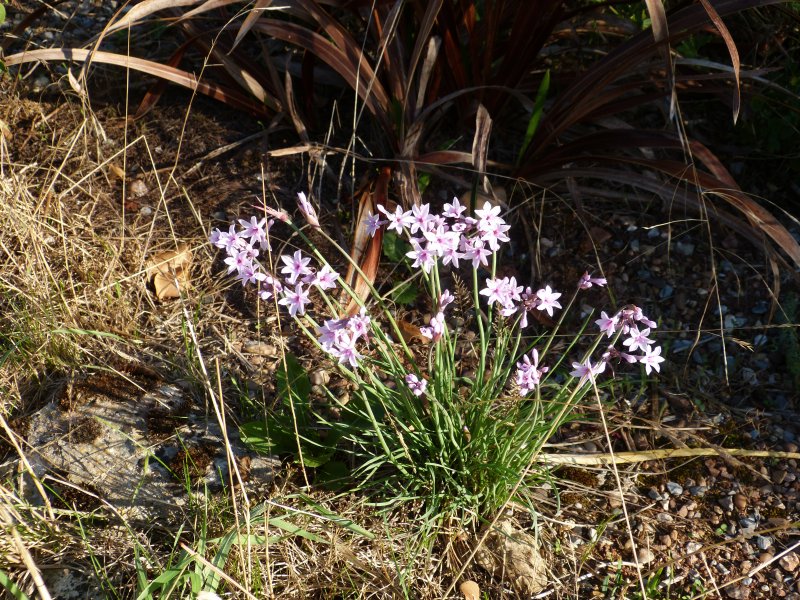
x=726 y=503
x=763 y=542
x=740 y=501
x=674 y=488
x=692 y=547
x=738 y=592
x=653 y=494
x=664 y=517
x=260 y=349
x=698 y=490
x=319 y=377
x=146 y=211
x=138 y=188
x=789 y=562
x=644 y=556
x=685 y=248
x=747 y=523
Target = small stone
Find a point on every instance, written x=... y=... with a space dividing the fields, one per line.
x=644 y=556
x=260 y=349
x=664 y=517
x=789 y=562
x=726 y=502
x=685 y=248
x=698 y=490
x=765 y=557
x=738 y=592
x=683 y=511
x=146 y=211
x=740 y=501
x=319 y=377
x=138 y=188
x=747 y=523
x=692 y=547
x=763 y=542
x=653 y=494
x=674 y=488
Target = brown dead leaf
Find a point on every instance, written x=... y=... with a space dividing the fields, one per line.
x=410 y=332
x=115 y=170
x=169 y=272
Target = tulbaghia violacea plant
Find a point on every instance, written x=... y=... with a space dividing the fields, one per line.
x=470 y=432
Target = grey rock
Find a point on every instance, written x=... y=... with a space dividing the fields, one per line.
x=726 y=502
x=698 y=490
x=674 y=488
x=763 y=542
x=130 y=447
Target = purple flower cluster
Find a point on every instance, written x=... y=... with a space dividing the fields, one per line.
x=338 y=337
x=626 y=321
x=450 y=236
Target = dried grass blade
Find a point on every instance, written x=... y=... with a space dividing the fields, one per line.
x=732 y=50
x=359 y=75
x=480 y=143
x=226 y=95
x=658 y=23
x=207 y=6
x=423 y=40
x=250 y=20
x=145 y=9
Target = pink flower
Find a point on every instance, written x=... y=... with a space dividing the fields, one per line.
x=638 y=339
x=324 y=279
x=445 y=299
x=359 y=324
x=423 y=258
x=345 y=348
x=281 y=215
x=398 y=220
x=250 y=274
x=528 y=373
x=436 y=328
x=454 y=210
x=607 y=325
x=651 y=359
x=420 y=218
x=587 y=281
x=587 y=370
x=295 y=300
x=548 y=300
x=488 y=216
x=229 y=240
x=373 y=224
x=309 y=213
x=238 y=261
x=475 y=251
x=296 y=266
x=416 y=385
x=254 y=229
x=269 y=287
x=326 y=333
x=495 y=234
x=504 y=291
